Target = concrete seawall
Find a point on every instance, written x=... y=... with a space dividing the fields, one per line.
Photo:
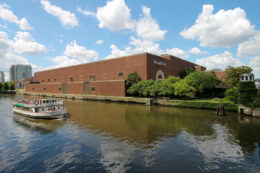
x=146 y=101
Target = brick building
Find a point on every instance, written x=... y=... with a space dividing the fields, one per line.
x=107 y=77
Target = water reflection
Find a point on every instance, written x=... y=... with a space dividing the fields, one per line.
x=111 y=137
x=42 y=126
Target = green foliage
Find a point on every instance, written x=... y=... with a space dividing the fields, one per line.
x=11 y=86
x=202 y=82
x=247 y=93
x=232 y=94
x=141 y=88
x=232 y=77
x=1 y=86
x=186 y=72
x=132 y=78
x=5 y=87
x=183 y=89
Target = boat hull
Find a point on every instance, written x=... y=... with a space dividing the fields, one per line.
x=41 y=115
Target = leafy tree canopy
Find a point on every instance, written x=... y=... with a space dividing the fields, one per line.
x=233 y=73
x=183 y=89
x=201 y=81
x=132 y=78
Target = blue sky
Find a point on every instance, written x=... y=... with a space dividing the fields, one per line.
x=50 y=34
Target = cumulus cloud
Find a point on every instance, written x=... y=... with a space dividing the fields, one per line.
x=7 y=15
x=87 y=13
x=115 y=15
x=63 y=61
x=99 y=42
x=223 y=29
x=250 y=47
x=115 y=52
x=177 y=52
x=197 y=51
x=26 y=45
x=220 y=61
x=66 y=18
x=135 y=46
x=148 y=28
x=76 y=51
x=255 y=64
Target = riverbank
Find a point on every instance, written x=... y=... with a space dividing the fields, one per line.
x=199 y=103
x=196 y=103
x=8 y=92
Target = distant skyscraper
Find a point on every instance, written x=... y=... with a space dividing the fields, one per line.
x=2 y=76
x=20 y=72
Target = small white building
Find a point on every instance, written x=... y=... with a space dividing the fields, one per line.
x=246 y=77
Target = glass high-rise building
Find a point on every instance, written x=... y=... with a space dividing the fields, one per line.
x=2 y=76
x=19 y=72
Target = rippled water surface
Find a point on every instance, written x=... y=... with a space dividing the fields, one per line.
x=112 y=137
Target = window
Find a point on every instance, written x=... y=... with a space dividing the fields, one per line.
x=59 y=89
x=32 y=88
x=92 y=77
x=120 y=74
x=160 y=77
x=44 y=89
x=55 y=79
x=71 y=79
x=48 y=80
x=246 y=78
x=93 y=89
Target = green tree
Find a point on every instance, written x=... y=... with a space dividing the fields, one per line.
x=183 y=89
x=11 y=86
x=233 y=73
x=202 y=82
x=186 y=72
x=166 y=87
x=5 y=88
x=132 y=78
x=247 y=93
x=1 y=86
x=232 y=94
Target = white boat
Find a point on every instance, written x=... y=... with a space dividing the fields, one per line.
x=40 y=108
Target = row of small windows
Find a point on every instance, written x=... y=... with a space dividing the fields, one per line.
x=92 y=77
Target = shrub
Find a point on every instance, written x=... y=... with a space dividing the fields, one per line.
x=5 y=88
x=182 y=89
x=132 y=78
x=232 y=94
x=247 y=93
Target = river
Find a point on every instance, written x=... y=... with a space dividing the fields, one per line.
x=118 y=137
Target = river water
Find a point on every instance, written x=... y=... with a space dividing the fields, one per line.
x=117 y=137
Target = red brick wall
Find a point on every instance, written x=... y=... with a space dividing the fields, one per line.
x=174 y=66
x=75 y=88
x=103 y=70
x=49 y=88
x=114 y=88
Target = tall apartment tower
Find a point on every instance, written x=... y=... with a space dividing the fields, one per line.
x=2 y=76
x=19 y=72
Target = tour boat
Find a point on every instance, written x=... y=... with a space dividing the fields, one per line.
x=40 y=108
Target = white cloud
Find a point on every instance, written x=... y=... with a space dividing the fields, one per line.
x=80 y=52
x=223 y=29
x=220 y=61
x=115 y=15
x=67 y=18
x=250 y=47
x=177 y=52
x=197 y=51
x=5 y=43
x=145 y=46
x=148 y=28
x=63 y=61
x=25 y=44
x=87 y=13
x=136 y=46
x=8 y=15
x=99 y=42
x=255 y=64
x=115 y=52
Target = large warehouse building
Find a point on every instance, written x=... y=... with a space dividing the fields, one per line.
x=107 y=77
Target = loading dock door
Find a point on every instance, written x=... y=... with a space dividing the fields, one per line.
x=64 y=88
x=86 y=87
